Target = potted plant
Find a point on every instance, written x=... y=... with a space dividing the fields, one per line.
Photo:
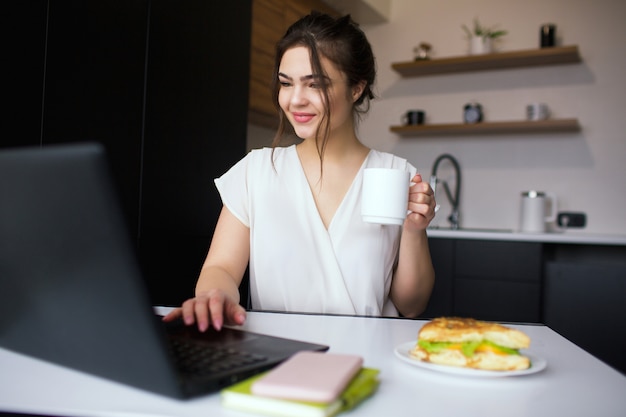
x=481 y=37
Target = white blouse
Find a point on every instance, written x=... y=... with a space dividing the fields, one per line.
x=296 y=264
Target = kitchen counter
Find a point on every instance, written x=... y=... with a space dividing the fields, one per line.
x=574 y=237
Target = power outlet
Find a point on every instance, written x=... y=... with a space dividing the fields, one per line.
x=571 y=219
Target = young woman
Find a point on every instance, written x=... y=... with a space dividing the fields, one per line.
x=293 y=213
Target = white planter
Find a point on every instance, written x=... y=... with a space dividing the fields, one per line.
x=479 y=45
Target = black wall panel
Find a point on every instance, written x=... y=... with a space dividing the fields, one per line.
x=23 y=61
x=94 y=83
x=195 y=129
x=163 y=85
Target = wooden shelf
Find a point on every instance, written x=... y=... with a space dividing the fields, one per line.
x=498 y=60
x=511 y=127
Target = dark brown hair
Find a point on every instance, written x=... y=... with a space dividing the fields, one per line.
x=339 y=40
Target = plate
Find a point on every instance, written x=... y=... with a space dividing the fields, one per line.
x=402 y=352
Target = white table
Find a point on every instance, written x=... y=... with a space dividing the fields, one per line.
x=573 y=384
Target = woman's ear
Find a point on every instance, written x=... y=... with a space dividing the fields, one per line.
x=357 y=90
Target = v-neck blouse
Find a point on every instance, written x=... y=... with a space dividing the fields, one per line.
x=298 y=265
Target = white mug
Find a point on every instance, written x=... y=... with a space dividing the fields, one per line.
x=533 y=217
x=385 y=195
x=537 y=111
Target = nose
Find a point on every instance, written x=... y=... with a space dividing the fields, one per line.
x=298 y=96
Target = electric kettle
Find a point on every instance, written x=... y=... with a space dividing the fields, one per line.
x=537 y=209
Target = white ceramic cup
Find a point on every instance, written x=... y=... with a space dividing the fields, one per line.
x=385 y=195
x=537 y=111
x=533 y=216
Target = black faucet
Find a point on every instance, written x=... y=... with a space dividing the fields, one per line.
x=453 y=218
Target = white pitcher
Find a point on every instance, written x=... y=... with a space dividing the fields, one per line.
x=533 y=216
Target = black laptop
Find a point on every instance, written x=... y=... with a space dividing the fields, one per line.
x=71 y=291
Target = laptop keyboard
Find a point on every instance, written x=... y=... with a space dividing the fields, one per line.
x=200 y=359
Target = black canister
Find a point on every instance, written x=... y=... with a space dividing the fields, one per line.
x=547 y=35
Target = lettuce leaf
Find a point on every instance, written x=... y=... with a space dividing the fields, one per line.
x=504 y=349
x=468 y=348
x=434 y=347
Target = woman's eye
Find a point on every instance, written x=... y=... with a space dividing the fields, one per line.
x=319 y=82
x=284 y=83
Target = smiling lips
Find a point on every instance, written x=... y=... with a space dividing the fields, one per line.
x=302 y=117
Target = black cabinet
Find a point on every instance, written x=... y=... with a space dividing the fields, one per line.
x=164 y=86
x=498 y=280
x=585 y=301
x=442 y=255
x=577 y=290
x=487 y=280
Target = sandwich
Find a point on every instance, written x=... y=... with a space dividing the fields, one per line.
x=470 y=343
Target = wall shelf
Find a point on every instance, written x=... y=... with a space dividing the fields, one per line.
x=497 y=60
x=508 y=127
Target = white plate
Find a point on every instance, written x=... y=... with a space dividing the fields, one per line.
x=402 y=352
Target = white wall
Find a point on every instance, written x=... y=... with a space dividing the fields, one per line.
x=585 y=170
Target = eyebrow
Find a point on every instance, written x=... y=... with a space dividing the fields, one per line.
x=305 y=77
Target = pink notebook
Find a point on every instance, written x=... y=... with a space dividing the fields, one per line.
x=309 y=376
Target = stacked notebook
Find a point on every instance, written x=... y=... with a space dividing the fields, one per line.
x=310 y=384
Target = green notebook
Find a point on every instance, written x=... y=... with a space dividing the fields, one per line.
x=240 y=397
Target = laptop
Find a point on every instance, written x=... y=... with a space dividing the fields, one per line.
x=71 y=291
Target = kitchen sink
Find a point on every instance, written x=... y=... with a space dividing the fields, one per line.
x=470 y=229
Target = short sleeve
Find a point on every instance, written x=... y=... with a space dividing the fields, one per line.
x=233 y=189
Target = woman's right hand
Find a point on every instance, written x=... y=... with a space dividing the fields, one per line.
x=211 y=308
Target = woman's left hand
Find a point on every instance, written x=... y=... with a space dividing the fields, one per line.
x=421 y=204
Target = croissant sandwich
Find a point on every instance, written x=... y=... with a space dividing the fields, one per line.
x=471 y=343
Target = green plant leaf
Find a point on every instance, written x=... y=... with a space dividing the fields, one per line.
x=482 y=31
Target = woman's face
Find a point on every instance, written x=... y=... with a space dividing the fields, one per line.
x=300 y=95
